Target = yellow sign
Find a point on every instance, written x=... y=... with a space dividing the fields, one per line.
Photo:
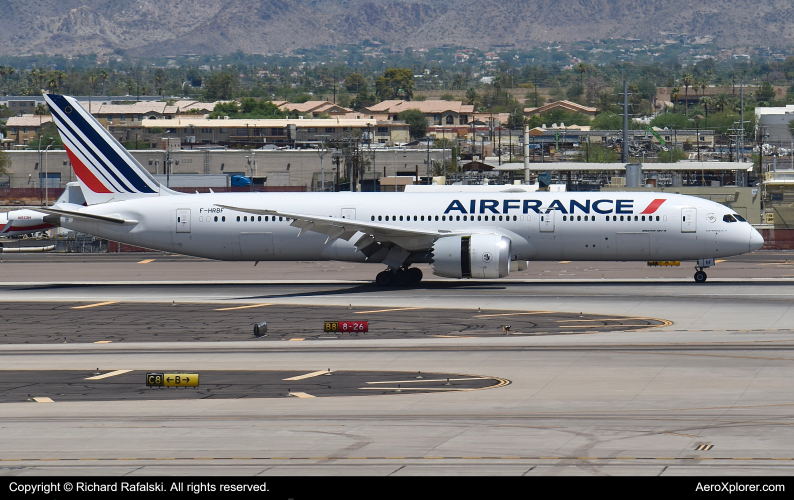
x=181 y=379
x=172 y=379
x=670 y=263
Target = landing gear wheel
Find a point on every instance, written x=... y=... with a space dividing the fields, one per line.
x=384 y=278
x=700 y=277
x=400 y=278
x=414 y=275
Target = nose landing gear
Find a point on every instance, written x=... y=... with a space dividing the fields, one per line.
x=700 y=275
x=400 y=277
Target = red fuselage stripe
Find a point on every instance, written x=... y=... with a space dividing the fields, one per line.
x=30 y=228
x=653 y=207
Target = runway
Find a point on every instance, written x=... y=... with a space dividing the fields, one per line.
x=703 y=387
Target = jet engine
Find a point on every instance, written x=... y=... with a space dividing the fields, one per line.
x=475 y=256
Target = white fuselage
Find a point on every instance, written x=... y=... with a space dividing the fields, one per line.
x=541 y=226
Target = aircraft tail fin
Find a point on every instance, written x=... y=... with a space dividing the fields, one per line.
x=107 y=171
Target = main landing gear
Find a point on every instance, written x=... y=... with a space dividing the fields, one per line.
x=400 y=277
x=700 y=276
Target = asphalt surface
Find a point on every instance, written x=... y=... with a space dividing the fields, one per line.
x=111 y=321
x=707 y=392
x=62 y=386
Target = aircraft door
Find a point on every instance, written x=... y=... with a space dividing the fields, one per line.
x=689 y=220
x=349 y=213
x=546 y=222
x=183 y=220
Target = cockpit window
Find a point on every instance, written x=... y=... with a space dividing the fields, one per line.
x=728 y=218
x=740 y=218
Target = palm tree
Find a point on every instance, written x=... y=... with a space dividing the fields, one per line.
x=675 y=93
x=53 y=84
x=41 y=110
x=92 y=81
x=720 y=101
x=687 y=80
x=457 y=81
x=103 y=75
x=707 y=102
x=582 y=69
x=10 y=71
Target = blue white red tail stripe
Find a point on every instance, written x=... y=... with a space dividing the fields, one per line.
x=100 y=162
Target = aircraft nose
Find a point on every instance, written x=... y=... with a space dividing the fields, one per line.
x=756 y=240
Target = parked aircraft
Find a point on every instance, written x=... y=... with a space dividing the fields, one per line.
x=463 y=235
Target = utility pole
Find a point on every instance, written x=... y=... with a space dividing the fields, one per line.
x=625 y=149
x=526 y=154
x=428 y=162
x=322 y=162
x=741 y=119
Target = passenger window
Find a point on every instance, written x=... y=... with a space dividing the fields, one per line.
x=657 y=218
x=259 y=219
x=401 y=217
x=223 y=219
x=267 y=218
x=515 y=218
x=579 y=217
x=636 y=218
x=621 y=218
x=500 y=217
x=280 y=218
x=415 y=217
x=238 y=218
x=585 y=217
x=458 y=217
x=372 y=217
x=436 y=218
x=564 y=217
x=643 y=218
x=443 y=217
x=380 y=218
x=216 y=218
x=423 y=218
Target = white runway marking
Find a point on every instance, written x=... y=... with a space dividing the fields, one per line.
x=108 y=374
x=309 y=375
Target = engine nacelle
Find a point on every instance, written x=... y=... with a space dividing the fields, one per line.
x=476 y=256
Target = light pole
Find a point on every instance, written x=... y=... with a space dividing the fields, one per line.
x=322 y=162
x=672 y=146
x=46 y=176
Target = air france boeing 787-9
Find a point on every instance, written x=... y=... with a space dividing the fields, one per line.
x=463 y=235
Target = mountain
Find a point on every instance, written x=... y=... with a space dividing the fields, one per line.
x=151 y=27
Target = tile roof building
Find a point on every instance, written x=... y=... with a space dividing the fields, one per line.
x=437 y=112
x=565 y=105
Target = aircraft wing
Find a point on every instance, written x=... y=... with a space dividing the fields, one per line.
x=82 y=215
x=410 y=238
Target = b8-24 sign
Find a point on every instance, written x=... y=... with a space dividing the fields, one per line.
x=345 y=326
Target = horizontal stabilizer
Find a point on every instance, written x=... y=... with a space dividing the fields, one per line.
x=83 y=215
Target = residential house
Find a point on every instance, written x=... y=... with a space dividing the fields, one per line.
x=436 y=112
x=21 y=129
